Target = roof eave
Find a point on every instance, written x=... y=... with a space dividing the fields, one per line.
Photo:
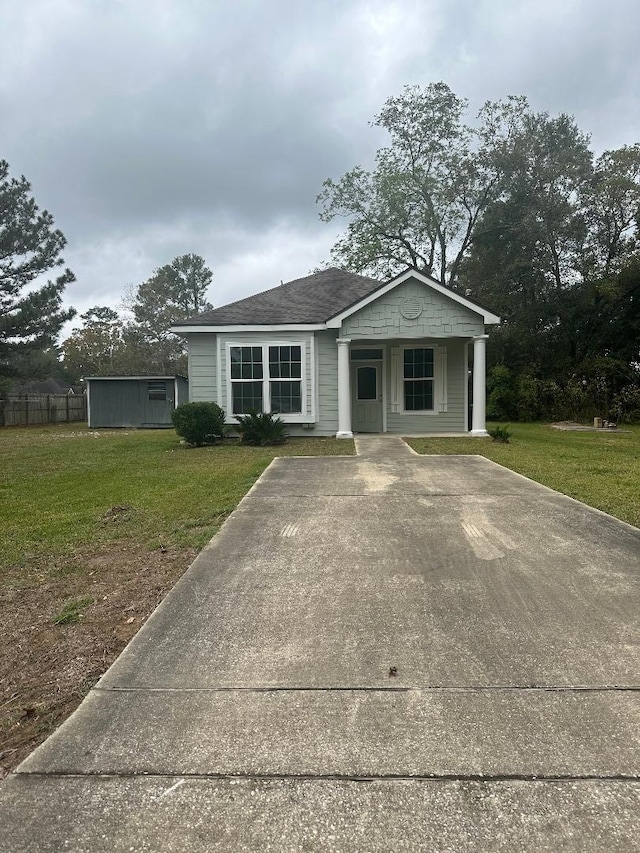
x=249 y=327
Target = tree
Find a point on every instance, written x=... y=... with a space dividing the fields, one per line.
x=612 y=211
x=96 y=347
x=421 y=203
x=31 y=316
x=174 y=292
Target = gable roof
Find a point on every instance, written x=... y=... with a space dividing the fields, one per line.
x=322 y=299
x=312 y=299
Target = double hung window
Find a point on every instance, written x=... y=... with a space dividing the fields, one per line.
x=246 y=379
x=266 y=378
x=418 y=377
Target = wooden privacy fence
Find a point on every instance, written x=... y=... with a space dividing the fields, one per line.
x=28 y=409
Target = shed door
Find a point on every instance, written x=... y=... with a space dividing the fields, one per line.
x=157 y=402
x=367 y=397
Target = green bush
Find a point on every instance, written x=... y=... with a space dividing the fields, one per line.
x=626 y=405
x=261 y=429
x=500 y=433
x=501 y=397
x=199 y=423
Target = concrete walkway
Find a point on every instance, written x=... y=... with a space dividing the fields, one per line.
x=388 y=652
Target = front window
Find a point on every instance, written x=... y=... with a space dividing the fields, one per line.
x=266 y=378
x=418 y=379
x=285 y=374
x=246 y=379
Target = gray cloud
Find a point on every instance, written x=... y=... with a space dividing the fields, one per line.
x=166 y=127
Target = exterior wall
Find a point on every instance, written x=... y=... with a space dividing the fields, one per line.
x=327 y=383
x=454 y=419
x=438 y=317
x=124 y=403
x=202 y=367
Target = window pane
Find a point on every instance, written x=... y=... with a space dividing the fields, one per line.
x=367 y=383
x=418 y=395
x=285 y=362
x=246 y=362
x=247 y=397
x=286 y=397
x=418 y=363
x=156 y=390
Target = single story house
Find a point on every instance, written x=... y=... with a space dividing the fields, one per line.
x=336 y=353
x=134 y=401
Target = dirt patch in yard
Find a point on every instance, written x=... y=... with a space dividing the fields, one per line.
x=63 y=624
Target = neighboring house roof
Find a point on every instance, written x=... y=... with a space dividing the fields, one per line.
x=314 y=300
x=46 y=386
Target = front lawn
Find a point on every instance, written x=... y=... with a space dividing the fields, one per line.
x=601 y=469
x=96 y=527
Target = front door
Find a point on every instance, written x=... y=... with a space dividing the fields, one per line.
x=366 y=397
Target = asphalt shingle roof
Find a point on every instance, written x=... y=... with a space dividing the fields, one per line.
x=312 y=299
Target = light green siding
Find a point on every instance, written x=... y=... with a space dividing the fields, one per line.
x=454 y=419
x=202 y=367
x=438 y=317
x=327 y=377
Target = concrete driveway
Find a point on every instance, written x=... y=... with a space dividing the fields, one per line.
x=388 y=652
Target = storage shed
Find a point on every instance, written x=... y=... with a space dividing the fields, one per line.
x=134 y=401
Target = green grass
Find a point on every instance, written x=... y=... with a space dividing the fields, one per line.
x=64 y=489
x=72 y=610
x=600 y=469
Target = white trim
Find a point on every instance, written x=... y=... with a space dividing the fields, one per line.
x=443 y=401
x=384 y=389
x=487 y=317
x=314 y=378
x=288 y=417
x=435 y=379
x=88 y=404
x=466 y=385
x=278 y=327
x=395 y=356
x=175 y=392
x=218 y=371
x=345 y=429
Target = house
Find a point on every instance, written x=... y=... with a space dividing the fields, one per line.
x=336 y=353
x=134 y=401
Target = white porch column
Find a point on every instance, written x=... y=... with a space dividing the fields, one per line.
x=344 y=389
x=478 y=420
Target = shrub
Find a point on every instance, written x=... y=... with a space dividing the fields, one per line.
x=199 y=423
x=500 y=433
x=501 y=398
x=261 y=429
x=626 y=405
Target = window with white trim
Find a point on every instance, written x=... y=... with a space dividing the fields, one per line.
x=246 y=379
x=418 y=379
x=267 y=378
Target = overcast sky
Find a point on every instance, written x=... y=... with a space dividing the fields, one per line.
x=153 y=128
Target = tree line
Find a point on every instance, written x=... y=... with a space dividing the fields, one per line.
x=511 y=208
x=136 y=340
x=515 y=211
